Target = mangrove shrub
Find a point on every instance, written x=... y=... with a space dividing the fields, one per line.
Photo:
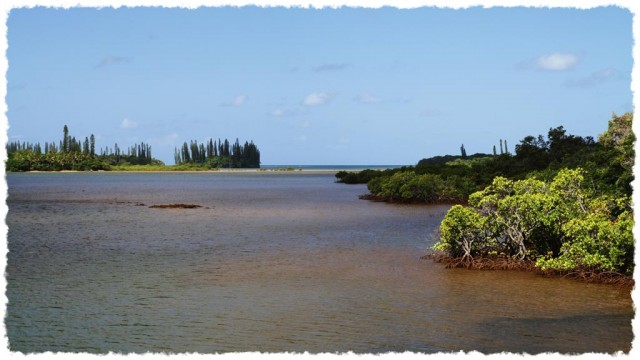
x=561 y=225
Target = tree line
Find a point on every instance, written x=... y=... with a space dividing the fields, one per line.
x=70 y=153
x=537 y=156
x=218 y=154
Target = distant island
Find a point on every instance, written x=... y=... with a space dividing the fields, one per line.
x=72 y=154
x=560 y=204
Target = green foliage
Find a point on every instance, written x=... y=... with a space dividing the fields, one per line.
x=607 y=166
x=27 y=160
x=462 y=232
x=218 y=154
x=72 y=154
x=407 y=186
x=562 y=201
x=599 y=240
x=364 y=176
x=561 y=225
x=359 y=177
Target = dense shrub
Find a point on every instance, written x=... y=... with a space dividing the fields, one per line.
x=560 y=225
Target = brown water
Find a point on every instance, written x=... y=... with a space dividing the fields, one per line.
x=271 y=263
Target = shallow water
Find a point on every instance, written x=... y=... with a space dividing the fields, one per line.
x=272 y=262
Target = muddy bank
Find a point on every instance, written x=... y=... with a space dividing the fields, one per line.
x=504 y=263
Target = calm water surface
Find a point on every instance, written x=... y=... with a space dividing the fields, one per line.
x=272 y=262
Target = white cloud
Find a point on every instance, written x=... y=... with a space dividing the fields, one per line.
x=368 y=99
x=560 y=61
x=317 y=98
x=128 y=124
x=284 y=112
x=557 y=61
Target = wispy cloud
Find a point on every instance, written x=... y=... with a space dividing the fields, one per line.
x=594 y=79
x=305 y=124
x=278 y=113
x=128 y=124
x=331 y=67
x=282 y=112
x=368 y=99
x=236 y=102
x=111 y=59
x=317 y=98
x=551 y=62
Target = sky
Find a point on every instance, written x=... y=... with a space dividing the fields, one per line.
x=345 y=86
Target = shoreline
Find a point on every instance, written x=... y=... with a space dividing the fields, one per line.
x=498 y=263
x=257 y=171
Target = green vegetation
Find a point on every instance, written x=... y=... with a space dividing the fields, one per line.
x=572 y=213
x=561 y=204
x=562 y=225
x=453 y=179
x=219 y=154
x=72 y=154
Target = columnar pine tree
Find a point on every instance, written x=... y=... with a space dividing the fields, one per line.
x=92 y=145
x=65 y=139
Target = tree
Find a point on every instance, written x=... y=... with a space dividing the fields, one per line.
x=562 y=225
x=620 y=138
x=461 y=233
x=85 y=147
x=92 y=145
x=65 y=139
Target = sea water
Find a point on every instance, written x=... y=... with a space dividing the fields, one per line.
x=270 y=262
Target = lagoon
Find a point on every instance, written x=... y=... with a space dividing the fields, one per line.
x=271 y=262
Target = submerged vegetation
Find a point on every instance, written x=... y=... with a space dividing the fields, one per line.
x=175 y=206
x=72 y=154
x=560 y=205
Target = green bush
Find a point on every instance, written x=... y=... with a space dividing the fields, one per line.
x=561 y=225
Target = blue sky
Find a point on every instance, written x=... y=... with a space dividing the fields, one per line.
x=308 y=86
